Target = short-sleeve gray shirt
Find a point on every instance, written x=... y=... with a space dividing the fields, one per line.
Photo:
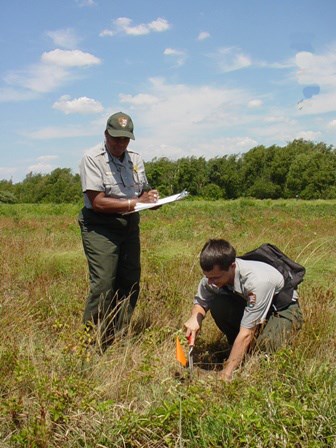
x=255 y=281
x=99 y=171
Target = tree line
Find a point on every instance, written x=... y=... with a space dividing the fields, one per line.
x=301 y=169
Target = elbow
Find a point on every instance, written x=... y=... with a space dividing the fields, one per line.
x=97 y=208
x=97 y=205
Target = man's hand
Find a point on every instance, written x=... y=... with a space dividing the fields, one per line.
x=151 y=196
x=238 y=352
x=193 y=324
x=225 y=376
x=193 y=328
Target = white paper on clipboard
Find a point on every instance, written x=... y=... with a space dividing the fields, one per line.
x=175 y=197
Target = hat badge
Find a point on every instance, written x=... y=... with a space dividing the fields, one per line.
x=122 y=121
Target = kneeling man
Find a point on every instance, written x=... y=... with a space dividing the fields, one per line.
x=240 y=296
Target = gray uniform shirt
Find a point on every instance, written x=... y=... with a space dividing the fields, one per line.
x=255 y=281
x=99 y=171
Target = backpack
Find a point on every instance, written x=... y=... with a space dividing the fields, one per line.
x=292 y=272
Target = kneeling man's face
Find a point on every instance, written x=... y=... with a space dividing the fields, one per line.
x=218 y=277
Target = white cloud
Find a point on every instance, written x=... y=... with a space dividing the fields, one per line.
x=180 y=104
x=7 y=172
x=65 y=38
x=123 y=25
x=12 y=95
x=278 y=118
x=316 y=68
x=332 y=124
x=254 y=104
x=172 y=52
x=69 y=58
x=230 y=59
x=53 y=70
x=108 y=33
x=203 y=35
x=276 y=132
x=83 y=3
x=142 y=99
x=316 y=72
x=189 y=119
x=40 y=78
x=309 y=135
x=274 y=65
x=227 y=145
x=46 y=158
x=54 y=132
x=282 y=127
x=213 y=148
x=40 y=168
x=178 y=54
x=159 y=25
x=43 y=164
x=82 y=105
x=319 y=104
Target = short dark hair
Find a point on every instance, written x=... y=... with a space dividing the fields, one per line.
x=217 y=253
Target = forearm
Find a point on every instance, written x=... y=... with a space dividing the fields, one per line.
x=198 y=311
x=238 y=352
x=107 y=205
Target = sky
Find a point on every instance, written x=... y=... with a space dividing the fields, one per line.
x=202 y=78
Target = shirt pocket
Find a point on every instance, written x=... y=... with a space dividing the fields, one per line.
x=113 y=185
x=140 y=181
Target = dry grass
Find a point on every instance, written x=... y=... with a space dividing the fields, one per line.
x=56 y=393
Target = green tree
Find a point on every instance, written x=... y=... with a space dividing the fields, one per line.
x=264 y=189
x=301 y=168
x=161 y=174
x=62 y=186
x=31 y=189
x=226 y=173
x=312 y=175
x=57 y=187
x=191 y=175
x=6 y=185
x=211 y=191
x=255 y=165
x=7 y=197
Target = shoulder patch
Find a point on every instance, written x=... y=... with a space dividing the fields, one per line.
x=251 y=300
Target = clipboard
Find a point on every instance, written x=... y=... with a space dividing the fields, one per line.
x=145 y=206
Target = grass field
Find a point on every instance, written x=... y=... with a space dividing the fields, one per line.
x=55 y=393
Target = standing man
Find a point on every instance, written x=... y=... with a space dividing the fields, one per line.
x=113 y=182
x=240 y=295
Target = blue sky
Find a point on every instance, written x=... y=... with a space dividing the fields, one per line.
x=199 y=77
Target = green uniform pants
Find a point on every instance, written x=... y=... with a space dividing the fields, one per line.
x=227 y=312
x=112 y=248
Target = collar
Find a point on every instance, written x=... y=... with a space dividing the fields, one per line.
x=110 y=158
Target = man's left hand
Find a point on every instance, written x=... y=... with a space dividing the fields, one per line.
x=224 y=376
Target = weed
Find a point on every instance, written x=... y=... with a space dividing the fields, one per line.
x=56 y=390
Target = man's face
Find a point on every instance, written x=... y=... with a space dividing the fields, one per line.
x=218 y=277
x=116 y=145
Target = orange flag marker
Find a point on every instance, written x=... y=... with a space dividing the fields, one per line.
x=180 y=356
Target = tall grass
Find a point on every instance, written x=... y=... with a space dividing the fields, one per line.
x=56 y=393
